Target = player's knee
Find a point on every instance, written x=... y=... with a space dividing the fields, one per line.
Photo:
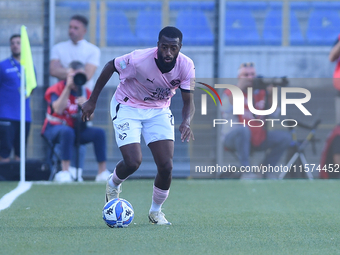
x=165 y=169
x=133 y=164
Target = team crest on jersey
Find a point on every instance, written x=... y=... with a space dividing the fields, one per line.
x=122 y=64
x=124 y=126
x=174 y=83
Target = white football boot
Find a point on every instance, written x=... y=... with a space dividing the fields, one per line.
x=111 y=192
x=158 y=218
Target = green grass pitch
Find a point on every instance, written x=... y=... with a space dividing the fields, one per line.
x=208 y=217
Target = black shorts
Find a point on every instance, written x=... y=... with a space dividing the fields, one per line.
x=10 y=137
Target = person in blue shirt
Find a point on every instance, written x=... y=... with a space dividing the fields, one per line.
x=10 y=70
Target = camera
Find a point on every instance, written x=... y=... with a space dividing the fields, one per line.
x=261 y=82
x=79 y=79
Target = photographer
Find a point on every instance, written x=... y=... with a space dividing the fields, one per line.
x=243 y=139
x=63 y=125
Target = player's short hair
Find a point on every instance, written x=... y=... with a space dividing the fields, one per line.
x=81 y=19
x=171 y=32
x=76 y=65
x=14 y=36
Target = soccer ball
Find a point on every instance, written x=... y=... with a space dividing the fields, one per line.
x=118 y=213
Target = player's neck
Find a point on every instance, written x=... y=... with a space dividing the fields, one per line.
x=163 y=68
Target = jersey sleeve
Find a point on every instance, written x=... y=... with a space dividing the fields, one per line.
x=188 y=83
x=125 y=66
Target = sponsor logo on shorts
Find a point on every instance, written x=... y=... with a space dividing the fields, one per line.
x=124 y=127
x=122 y=136
x=171 y=117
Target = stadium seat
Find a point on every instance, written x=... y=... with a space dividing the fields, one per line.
x=300 y=6
x=275 y=5
x=195 y=28
x=134 y=5
x=118 y=30
x=323 y=27
x=246 y=5
x=192 y=5
x=74 y=5
x=148 y=25
x=272 y=30
x=240 y=28
x=326 y=5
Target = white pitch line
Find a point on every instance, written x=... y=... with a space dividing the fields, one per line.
x=9 y=198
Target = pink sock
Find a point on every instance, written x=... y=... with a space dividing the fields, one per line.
x=158 y=198
x=115 y=180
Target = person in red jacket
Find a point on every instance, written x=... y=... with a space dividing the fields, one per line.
x=64 y=99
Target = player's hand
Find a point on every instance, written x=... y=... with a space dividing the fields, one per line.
x=186 y=132
x=87 y=108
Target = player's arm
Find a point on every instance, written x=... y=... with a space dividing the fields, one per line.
x=187 y=115
x=57 y=70
x=89 y=106
x=335 y=52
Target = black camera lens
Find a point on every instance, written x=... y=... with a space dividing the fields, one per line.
x=79 y=79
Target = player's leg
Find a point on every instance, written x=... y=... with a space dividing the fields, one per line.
x=132 y=158
x=158 y=133
x=127 y=125
x=162 y=152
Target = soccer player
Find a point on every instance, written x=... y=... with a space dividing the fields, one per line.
x=140 y=105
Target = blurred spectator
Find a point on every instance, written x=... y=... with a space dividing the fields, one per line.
x=330 y=157
x=62 y=121
x=334 y=55
x=75 y=49
x=10 y=72
x=243 y=139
